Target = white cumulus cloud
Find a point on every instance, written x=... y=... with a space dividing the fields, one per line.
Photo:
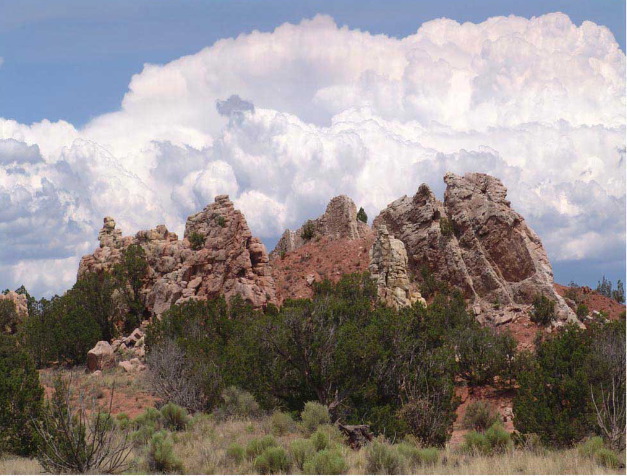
x=284 y=120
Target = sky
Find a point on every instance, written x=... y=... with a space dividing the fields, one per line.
x=145 y=110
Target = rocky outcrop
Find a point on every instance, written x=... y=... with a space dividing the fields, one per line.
x=388 y=267
x=218 y=256
x=19 y=300
x=100 y=357
x=474 y=241
x=339 y=221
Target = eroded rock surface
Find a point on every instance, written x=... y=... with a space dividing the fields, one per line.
x=218 y=256
x=20 y=302
x=388 y=267
x=475 y=241
x=339 y=221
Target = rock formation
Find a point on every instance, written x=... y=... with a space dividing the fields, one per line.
x=218 y=256
x=328 y=247
x=388 y=267
x=339 y=221
x=475 y=241
x=20 y=302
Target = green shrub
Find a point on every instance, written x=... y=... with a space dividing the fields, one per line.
x=256 y=446
x=146 y=424
x=543 y=310
x=382 y=458
x=326 y=462
x=475 y=443
x=309 y=230
x=582 y=311
x=418 y=456
x=498 y=439
x=239 y=403
x=161 y=457
x=123 y=421
x=589 y=447
x=494 y=440
x=150 y=417
x=361 y=215
x=447 y=227
x=313 y=415
x=479 y=416
x=273 y=460
x=175 y=418
x=196 y=240
x=21 y=398
x=606 y=457
x=301 y=450
x=221 y=221
x=282 y=423
x=320 y=440
x=235 y=453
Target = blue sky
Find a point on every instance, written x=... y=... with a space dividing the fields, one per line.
x=72 y=59
x=109 y=108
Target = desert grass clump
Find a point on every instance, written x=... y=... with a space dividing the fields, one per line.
x=479 y=416
x=161 y=457
x=320 y=440
x=239 y=403
x=329 y=461
x=498 y=438
x=281 y=423
x=590 y=447
x=273 y=460
x=607 y=458
x=235 y=453
x=175 y=418
x=475 y=443
x=301 y=450
x=256 y=446
x=146 y=425
x=418 y=456
x=313 y=415
x=382 y=458
x=495 y=440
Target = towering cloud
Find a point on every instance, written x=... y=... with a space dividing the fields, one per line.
x=328 y=110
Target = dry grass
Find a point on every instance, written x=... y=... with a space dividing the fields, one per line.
x=202 y=448
x=17 y=465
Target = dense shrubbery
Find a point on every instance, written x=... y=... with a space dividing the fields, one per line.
x=98 y=307
x=568 y=374
x=20 y=398
x=360 y=361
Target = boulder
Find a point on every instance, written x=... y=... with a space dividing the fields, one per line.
x=100 y=357
x=132 y=365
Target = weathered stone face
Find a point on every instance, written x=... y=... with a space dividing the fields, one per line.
x=388 y=267
x=475 y=241
x=20 y=301
x=339 y=221
x=229 y=260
